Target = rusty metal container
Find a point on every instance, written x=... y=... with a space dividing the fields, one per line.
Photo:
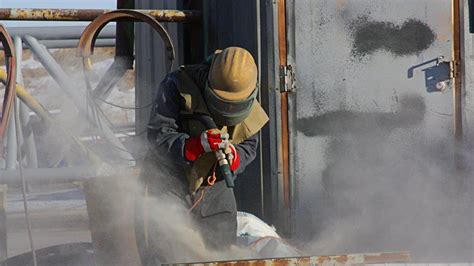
x=109 y=202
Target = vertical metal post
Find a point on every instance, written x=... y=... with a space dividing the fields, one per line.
x=192 y=34
x=3 y=223
x=285 y=146
x=123 y=54
x=27 y=132
x=458 y=98
x=125 y=35
x=259 y=67
x=457 y=91
x=291 y=62
x=273 y=201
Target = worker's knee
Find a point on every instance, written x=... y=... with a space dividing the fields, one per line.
x=217 y=216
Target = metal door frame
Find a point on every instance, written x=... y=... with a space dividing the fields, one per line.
x=457 y=18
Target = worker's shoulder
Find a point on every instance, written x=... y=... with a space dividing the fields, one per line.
x=168 y=88
x=198 y=73
x=193 y=69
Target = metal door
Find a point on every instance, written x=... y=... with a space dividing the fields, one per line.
x=373 y=115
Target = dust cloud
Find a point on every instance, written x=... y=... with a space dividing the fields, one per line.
x=178 y=237
x=385 y=186
x=171 y=228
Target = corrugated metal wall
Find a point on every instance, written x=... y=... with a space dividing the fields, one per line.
x=226 y=23
x=151 y=64
x=234 y=23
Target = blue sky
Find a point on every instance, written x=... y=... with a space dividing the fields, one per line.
x=91 y=4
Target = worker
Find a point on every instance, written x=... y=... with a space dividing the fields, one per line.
x=223 y=88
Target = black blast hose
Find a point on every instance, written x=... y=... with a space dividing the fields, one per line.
x=220 y=155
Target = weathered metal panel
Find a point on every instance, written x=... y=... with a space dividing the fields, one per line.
x=468 y=69
x=270 y=99
x=109 y=200
x=351 y=259
x=468 y=82
x=366 y=73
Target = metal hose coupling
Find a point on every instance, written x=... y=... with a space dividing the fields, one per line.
x=225 y=168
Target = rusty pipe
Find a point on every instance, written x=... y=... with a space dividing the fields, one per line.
x=184 y=16
x=10 y=82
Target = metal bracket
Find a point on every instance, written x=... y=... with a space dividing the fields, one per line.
x=438 y=77
x=454 y=69
x=453 y=66
x=287 y=79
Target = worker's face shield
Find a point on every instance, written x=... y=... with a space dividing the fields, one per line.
x=225 y=112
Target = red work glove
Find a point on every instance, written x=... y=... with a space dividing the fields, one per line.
x=233 y=157
x=209 y=140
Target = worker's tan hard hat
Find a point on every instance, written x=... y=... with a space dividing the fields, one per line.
x=233 y=74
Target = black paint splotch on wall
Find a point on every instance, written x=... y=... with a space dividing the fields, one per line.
x=411 y=112
x=410 y=38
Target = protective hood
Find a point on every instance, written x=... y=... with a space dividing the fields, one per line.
x=225 y=112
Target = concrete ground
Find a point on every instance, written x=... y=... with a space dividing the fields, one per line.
x=57 y=217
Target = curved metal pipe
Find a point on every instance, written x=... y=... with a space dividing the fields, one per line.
x=88 y=38
x=86 y=44
x=7 y=43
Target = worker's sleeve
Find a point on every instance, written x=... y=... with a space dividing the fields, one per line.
x=247 y=151
x=163 y=135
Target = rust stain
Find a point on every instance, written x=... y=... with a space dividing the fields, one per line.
x=9 y=95
x=457 y=90
x=185 y=16
x=170 y=16
x=387 y=257
x=341 y=259
x=280 y=262
x=304 y=261
x=442 y=37
x=353 y=259
x=323 y=259
x=284 y=104
x=341 y=4
x=282 y=31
